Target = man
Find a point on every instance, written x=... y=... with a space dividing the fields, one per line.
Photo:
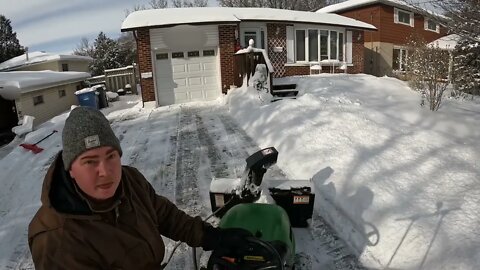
x=98 y=214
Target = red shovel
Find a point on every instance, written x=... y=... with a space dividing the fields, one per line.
x=33 y=147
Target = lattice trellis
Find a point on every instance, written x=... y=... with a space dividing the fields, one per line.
x=277 y=37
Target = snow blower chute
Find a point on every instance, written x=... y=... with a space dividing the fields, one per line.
x=273 y=244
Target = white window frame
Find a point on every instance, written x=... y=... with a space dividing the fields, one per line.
x=400 y=62
x=437 y=25
x=307 y=52
x=397 y=21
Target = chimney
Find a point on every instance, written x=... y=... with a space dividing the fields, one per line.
x=26 y=52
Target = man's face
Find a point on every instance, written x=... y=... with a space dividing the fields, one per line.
x=98 y=172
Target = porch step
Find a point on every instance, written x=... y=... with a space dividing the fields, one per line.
x=275 y=98
x=284 y=90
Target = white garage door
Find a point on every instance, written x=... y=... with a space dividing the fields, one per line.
x=185 y=76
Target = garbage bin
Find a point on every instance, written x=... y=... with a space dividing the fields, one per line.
x=297 y=198
x=87 y=97
x=102 y=97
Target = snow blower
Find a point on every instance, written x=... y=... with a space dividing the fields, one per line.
x=273 y=244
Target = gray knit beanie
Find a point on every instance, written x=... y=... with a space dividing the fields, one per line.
x=86 y=128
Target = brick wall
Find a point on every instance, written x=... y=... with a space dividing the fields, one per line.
x=297 y=70
x=226 y=36
x=145 y=64
x=277 y=37
x=358 y=53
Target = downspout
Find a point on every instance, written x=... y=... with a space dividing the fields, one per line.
x=135 y=36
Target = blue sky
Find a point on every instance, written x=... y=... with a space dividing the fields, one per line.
x=58 y=25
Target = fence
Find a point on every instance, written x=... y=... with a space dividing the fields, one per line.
x=115 y=79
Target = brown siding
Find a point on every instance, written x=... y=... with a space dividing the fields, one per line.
x=368 y=14
x=382 y=17
x=145 y=64
x=277 y=37
x=226 y=40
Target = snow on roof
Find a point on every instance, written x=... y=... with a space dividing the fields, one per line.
x=37 y=58
x=447 y=42
x=14 y=83
x=175 y=16
x=351 y=4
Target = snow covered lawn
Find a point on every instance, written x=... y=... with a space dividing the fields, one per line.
x=398 y=182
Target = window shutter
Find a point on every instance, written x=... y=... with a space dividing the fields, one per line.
x=349 y=50
x=290 y=45
x=395 y=16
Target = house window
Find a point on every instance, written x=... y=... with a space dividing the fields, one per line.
x=37 y=100
x=430 y=25
x=329 y=44
x=193 y=54
x=61 y=93
x=403 y=17
x=64 y=67
x=300 y=44
x=399 y=59
x=177 y=55
x=161 y=56
x=323 y=45
x=340 y=46
x=209 y=53
x=313 y=45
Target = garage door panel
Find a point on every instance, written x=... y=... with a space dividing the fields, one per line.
x=209 y=67
x=182 y=82
x=195 y=67
x=197 y=81
x=179 y=68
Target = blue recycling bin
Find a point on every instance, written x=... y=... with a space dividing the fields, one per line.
x=88 y=99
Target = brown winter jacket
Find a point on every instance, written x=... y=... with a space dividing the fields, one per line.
x=67 y=234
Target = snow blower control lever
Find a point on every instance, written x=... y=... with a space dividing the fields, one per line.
x=257 y=165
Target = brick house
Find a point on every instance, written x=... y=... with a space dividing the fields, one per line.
x=396 y=21
x=187 y=54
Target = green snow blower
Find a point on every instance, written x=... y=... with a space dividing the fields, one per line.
x=273 y=244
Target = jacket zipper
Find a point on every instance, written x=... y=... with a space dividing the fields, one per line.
x=117 y=214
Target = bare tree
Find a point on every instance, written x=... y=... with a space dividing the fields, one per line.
x=84 y=48
x=427 y=71
x=157 y=4
x=187 y=3
x=464 y=17
x=305 y=5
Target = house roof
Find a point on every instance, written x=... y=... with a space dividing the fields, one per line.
x=35 y=58
x=353 y=4
x=211 y=15
x=15 y=83
x=446 y=43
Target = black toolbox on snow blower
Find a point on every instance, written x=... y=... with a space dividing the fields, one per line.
x=297 y=197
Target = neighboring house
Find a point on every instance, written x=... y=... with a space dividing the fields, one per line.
x=36 y=61
x=41 y=94
x=187 y=54
x=397 y=22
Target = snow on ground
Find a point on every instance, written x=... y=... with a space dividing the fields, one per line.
x=398 y=182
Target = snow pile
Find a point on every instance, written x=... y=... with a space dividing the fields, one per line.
x=398 y=182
